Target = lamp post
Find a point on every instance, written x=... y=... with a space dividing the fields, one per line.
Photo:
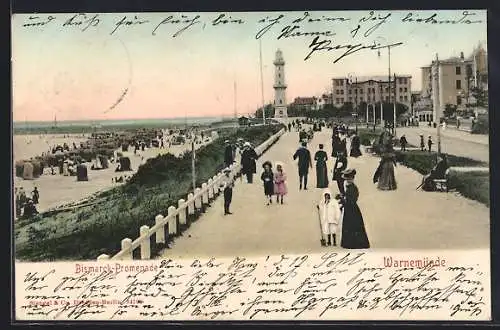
x=351 y=76
x=389 y=82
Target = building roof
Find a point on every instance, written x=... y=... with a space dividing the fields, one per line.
x=304 y=100
x=382 y=78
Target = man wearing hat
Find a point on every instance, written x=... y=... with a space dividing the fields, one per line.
x=227 y=183
x=429 y=143
x=248 y=163
x=228 y=154
x=304 y=164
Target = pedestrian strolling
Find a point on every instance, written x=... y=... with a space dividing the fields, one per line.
x=330 y=217
x=355 y=146
x=248 y=163
x=403 y=142
x=35 y=195
x=422 y=143
x=338 y=168
x=429 y=143
x=353 y=228
x=321 y=168
x=267 y=178
x=228 y=154
x=384 y=175
x=280 y=188
x=227 y=184
x=304 y=163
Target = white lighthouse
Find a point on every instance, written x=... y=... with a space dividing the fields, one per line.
x=280 y=110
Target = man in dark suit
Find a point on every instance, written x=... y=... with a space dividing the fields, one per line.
x=304 y=164
x=228 y=154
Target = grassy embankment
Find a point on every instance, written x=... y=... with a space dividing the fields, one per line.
x=98 y=226
x=473 y=185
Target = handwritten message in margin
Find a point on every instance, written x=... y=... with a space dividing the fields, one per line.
x=331 y=286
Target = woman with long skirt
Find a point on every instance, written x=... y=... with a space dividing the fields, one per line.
x=385 y=172
x=353 y=227
x=355 y=146
x=321 y=170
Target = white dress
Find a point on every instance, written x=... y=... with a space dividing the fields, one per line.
x=330 y=216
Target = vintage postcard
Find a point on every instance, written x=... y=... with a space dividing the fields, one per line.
x=321 y=165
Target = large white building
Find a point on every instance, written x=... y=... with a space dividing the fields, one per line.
x=280 y=106
x=450 y=81
x=371 y=90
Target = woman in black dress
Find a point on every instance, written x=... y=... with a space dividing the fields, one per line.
x=355 y=146
x=267 y=178
x=321 y=170
x=353 y=227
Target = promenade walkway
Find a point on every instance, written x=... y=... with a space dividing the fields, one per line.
x=405 y=218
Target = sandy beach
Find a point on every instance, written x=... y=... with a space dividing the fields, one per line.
x=57 y=190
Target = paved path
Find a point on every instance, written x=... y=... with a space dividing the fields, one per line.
x=452 y=142
x=400 y=219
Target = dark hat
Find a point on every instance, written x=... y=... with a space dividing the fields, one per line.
x=267 y=163
x=321 y=145
x=350 y=173
x=303 y=143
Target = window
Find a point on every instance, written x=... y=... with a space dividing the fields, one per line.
x=281 y=101
x=341 y=83
x=401 y=98
x=337 y=92
x=401 y=89
x=406 y=98
x=387 y=99
x=279 y=75
x=341 y=100
x=360 y=91
x=373 y=90
x=342 y=92
x=459 y=100
x=361 y=99
x=336 y=83
x=458 y=70
x=350 y=92
x=387 y=89
x=337 y=100
x=406 y=90
x=368 y=98
x=350 y=99
x=459 y=84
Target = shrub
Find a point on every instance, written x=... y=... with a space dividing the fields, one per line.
x=473 y=185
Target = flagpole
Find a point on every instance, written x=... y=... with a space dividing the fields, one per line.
x=262 y=84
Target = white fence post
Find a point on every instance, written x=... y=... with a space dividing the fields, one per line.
x=103 y=257
x=197 y=202
x=190 y=201
x=215 y=186
x=182 y=211
x=146 y=243
x=160 y=233
x=204 y=198
x=126 y=244
x=210 y=189
x=172 y=221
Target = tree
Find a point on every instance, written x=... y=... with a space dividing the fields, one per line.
x=449 y=110
x=269 y=111
x=480 y=95
x=388 y=110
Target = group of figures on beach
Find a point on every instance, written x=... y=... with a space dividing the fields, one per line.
x=26 y=206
